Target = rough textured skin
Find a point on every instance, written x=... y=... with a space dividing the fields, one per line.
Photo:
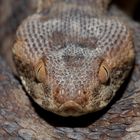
x=71 y=57
x=20 y=118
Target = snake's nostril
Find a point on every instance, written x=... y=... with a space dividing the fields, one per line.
x=82 y=98
x=59 y=96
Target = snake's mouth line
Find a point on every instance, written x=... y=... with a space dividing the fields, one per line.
x=70 y=108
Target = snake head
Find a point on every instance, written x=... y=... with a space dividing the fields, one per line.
x=73 y=67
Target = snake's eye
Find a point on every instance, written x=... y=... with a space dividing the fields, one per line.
x=40 y=71
x=104 y=73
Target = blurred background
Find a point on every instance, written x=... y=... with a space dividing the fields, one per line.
x=131 y=7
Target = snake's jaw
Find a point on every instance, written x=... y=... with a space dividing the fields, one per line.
x=71 y=104
x=70 y=108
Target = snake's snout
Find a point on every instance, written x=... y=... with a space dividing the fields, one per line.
x=70 y=102
x=78 y=97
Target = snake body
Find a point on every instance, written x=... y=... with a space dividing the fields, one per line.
x=72 y=57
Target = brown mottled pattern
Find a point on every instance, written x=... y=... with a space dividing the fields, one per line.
x=79 y=54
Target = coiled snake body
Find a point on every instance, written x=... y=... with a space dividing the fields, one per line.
x=72 y=57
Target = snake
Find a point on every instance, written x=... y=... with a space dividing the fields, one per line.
x=72 y=57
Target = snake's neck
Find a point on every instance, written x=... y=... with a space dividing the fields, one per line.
x=94 y=7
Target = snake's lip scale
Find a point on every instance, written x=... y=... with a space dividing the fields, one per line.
x=70 y=107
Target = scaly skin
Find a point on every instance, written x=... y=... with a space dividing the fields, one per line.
x=72 y=57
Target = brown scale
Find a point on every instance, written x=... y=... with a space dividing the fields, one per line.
x=26 y=70
x=59 y=38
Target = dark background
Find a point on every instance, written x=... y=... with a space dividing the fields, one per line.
x=131 y=7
